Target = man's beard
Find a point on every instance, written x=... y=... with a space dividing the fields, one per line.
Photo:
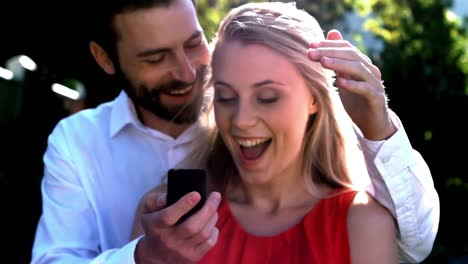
x=150 y=98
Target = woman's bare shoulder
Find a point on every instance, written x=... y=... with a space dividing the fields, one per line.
x=372 y=231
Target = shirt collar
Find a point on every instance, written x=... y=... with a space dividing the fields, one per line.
x=123 y=113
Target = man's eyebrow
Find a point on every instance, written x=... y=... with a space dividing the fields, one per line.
x=195 y=35
x=151 y=52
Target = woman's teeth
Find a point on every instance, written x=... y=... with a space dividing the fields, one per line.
x=251 y=142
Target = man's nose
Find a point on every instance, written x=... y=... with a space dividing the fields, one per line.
x=185 y=70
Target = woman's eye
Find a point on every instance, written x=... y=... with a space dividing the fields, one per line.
x=224 y=95
x=267 y=96
x=221 y=99
x=267 y=100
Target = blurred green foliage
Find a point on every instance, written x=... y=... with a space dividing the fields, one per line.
x=327 y=12
x=424 y=40
x=211 y=12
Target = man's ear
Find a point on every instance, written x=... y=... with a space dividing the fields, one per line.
x=101 y=57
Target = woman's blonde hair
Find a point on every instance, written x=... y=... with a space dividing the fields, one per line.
x=288 y=31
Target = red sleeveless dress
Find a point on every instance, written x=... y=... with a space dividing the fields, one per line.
x=321 y=237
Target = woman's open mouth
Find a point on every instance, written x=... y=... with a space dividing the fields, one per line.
x=252 y=149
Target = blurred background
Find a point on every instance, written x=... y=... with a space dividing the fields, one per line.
x=421 y=47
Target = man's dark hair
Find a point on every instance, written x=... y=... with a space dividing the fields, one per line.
x=103 y=31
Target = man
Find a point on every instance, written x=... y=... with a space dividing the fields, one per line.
x=100 y=162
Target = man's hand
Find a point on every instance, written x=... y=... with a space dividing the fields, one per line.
x=166 y=242
x=359 y=84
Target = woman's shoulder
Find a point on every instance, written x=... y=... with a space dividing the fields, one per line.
x=370 y=225
x=365 y=208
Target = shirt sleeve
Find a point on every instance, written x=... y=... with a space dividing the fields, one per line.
x=402 y=182
x=67 y=231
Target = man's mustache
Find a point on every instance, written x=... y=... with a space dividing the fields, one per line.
x=179 y=85
x=174 y=85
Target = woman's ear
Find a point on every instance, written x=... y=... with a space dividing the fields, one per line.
x=312 y=106
x=101 y=57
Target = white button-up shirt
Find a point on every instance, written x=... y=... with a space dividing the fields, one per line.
x=99 y=162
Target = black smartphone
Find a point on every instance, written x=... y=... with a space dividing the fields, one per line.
x=182 y=181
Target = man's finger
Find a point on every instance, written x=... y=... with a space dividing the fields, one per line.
x=170 y=215
x=197 y=221
x=331 y=44
x=205 y=232
x=334 y=35
x=154 y=201
x=363 y=89
x=205 y=246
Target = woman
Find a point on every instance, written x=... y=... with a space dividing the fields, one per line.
x=279 y=157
